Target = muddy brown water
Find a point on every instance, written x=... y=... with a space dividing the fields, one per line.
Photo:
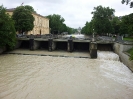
x=47 y=77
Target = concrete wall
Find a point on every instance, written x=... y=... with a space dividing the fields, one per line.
x=121 y=49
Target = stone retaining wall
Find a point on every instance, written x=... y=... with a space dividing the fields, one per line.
x=120 y=49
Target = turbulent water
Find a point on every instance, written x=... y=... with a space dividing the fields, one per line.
x=107 y=55
x=47 y=77
x=75 y=36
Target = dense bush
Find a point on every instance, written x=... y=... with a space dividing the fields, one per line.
x=7 y=30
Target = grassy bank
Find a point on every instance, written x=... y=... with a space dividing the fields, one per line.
x=131 y=53
x=128 y=39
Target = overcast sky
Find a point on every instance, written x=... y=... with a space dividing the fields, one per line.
x=75 y=12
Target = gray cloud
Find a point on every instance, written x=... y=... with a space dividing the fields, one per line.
x=75 y=12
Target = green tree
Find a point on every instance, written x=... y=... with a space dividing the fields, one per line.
x=127 y=2
x=56 y=22
x=83 y=30
x=126 y=26
x=63 y=28
x=7 y=30
x=88 y=28
x=74 y=30
x=69 y=30
x=116 y=25
x=130 y=23
x=101 y=19
x=24 y=20
x=30 y=8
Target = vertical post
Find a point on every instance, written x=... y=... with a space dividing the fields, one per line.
x=93 y=49
x=70 y=44
x=50 y=42
x=31 y=42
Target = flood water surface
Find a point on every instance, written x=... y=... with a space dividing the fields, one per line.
x=47 y=77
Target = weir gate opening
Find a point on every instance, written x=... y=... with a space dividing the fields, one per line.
x=43 y=45
x=63 y=45
x=25 y=44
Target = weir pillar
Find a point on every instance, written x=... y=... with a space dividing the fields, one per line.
x=70 y=45
x=93 y=49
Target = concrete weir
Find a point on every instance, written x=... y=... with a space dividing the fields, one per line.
x=78 y=45
x=71 y=45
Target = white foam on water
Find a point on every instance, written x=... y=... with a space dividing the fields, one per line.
x=114 y=69
x=75 y=35
x=118 y=72
x=107 y=55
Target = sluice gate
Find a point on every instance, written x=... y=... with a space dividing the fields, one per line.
x=70 y=44
x=63 y=45
x=105 y=47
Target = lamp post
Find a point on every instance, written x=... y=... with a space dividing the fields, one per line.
x=93 y=36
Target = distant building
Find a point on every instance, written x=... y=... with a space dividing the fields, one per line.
x=41 y=23
x=79 y=30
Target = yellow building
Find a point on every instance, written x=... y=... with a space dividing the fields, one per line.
x=41 y=23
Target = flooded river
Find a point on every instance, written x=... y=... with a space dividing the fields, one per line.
x=48 y=77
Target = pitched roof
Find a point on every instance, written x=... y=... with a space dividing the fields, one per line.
x=12 y=9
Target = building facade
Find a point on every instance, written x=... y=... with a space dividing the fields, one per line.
x=41 y=24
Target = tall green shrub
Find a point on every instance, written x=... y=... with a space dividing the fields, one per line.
x=7 y=30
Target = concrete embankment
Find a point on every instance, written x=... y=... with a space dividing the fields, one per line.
x=120 y=49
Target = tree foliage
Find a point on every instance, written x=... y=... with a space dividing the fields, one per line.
x=88 y=28
x=127 y=2
x=24 y=20
x=101 y=19
x=115 y=22
x=56 y=23
x=126 y=26
x=30 y=8
x=7 y=30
